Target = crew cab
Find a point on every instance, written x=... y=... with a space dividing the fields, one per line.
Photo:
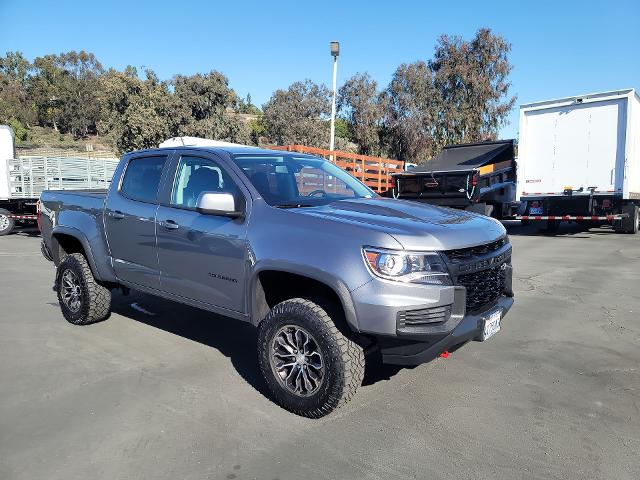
x=324 y=267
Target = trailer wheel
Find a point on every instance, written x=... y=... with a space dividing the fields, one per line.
x=6 y=222
x=82 y=299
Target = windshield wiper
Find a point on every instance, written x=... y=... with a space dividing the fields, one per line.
x=293 y=205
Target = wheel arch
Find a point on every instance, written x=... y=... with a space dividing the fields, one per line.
x=271 y=285
x=67 y=240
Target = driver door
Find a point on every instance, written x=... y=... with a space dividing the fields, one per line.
x=202 y=257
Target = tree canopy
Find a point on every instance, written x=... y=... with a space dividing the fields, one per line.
x=298 y=114
x=461 y=94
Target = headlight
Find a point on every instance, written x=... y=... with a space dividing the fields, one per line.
x=414 y=267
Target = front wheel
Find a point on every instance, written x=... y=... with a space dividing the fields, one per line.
x=82 y=299
x=310 y=367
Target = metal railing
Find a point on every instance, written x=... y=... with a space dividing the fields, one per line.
x=29 y=176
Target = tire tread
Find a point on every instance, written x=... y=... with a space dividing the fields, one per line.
x=98 y=306
x=349 y=352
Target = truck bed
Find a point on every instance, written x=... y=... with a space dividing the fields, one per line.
x=86 y=199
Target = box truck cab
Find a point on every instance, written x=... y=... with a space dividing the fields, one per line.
x=579 y=160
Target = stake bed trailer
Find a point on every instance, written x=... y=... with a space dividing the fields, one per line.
x=475 y=176
x=579 y=160
x=23 y=179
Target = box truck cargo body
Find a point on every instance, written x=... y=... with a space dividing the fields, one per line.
x=579 y=160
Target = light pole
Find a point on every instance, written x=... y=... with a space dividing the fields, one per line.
x=335 y=51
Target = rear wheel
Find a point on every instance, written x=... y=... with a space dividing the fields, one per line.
x=311 y=367
x=489 y=210
x=634 y=226
x=552 y=227
x=631 y=224
x=6 y=222
x=82 y=299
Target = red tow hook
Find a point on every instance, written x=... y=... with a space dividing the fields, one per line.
x=445 y=354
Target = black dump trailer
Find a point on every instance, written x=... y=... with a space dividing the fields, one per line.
x=480 y=177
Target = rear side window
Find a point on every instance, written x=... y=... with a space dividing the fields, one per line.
x=142 y=177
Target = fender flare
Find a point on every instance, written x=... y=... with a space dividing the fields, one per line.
x=84 y=241
x=338 y=287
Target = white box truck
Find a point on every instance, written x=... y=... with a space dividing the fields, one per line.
x=579 y=161
x=23 y=179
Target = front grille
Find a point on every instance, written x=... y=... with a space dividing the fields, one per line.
x=470 y=252
x=483 y=287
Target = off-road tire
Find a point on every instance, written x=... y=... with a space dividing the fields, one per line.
x=343 y=358
x=7 y=224
x=95 y=299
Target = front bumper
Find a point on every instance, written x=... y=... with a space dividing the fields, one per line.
x=414 y=351
x=415 y=323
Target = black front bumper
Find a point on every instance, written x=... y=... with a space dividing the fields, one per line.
x=400 y=351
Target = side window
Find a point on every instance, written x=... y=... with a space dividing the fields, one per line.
x=196 y=175
x=142 y=177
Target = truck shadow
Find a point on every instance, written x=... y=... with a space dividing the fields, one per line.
x=233 y=338
x=26 y=231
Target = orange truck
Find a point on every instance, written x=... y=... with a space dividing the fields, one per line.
x=375 y=172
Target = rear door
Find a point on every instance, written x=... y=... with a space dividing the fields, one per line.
x=202 y=257
x=130 y=220
x=578 y=146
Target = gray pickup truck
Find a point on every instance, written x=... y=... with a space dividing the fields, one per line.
x=326 y=269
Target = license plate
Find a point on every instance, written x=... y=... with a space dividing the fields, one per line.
x=535 y=211
x=491 y=325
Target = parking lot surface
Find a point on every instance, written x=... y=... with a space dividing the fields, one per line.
x=165 y=391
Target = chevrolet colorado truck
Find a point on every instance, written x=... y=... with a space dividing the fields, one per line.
x=326 y=269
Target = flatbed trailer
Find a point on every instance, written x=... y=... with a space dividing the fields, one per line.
x=479 y=177
x=24 y=178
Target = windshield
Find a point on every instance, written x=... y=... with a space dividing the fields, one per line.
x=286 y=180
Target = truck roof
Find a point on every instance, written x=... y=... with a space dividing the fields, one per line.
x=580 y=98
x=467 y=156
x=231 y=149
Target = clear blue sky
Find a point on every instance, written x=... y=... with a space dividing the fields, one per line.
x=560 y=47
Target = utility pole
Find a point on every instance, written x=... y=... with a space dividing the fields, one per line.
x=335 y=51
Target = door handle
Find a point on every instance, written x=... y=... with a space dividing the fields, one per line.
x=170 y=225
x=117 y=215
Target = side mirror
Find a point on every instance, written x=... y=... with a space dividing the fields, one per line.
x=221 y=204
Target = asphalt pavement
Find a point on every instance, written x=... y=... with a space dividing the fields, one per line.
x=165 y=391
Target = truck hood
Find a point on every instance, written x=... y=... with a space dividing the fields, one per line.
x=416 y=226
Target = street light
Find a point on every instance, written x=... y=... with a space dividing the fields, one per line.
x=335 y=51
